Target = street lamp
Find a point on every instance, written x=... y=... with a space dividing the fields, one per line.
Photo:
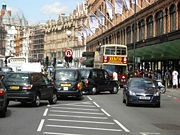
x=68 y=33
x=134 y=39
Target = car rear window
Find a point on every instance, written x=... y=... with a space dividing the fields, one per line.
x=21 y=77
x=85 y=73
x=66 y=75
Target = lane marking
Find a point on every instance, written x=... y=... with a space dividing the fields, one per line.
x=148 y=133
x=76 y=112
x=96 y=104
x=105 y=112
x=70 y=104
x=122 y=126
x=89 y=98
x=78 y=121
x=69 y=108
x=52 y=133
x=45 y=112
x=77 y=116
x=80 y=105
x=104 y=129
x=40 y=125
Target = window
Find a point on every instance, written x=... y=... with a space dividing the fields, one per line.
x=101 y=74
x=173 y=17
x=150 y=26
x=118 y=37
x=110 y=38
x=121 y=51
x=106 y=40
x=135 y=34
x=110 y=51
x=141 y=30
x=166 y=20
x=128 y=31
x=159 y=23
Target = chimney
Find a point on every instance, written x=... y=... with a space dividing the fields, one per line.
x=9 y=12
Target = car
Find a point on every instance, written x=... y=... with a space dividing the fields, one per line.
x=28 y=87
x=3 y=100
x=96 y=80
x=59 y=63
x=141 y=91
x=68 y=82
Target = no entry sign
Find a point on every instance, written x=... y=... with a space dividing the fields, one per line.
x=68 y=53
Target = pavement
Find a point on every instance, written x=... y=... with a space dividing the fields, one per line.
x=173 y=92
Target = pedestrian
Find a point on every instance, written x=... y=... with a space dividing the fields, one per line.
x=167 y=78
x=145 y=74
x=115 y=75
x=175 y=78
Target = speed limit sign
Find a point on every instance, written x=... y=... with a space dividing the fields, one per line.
x=68 y=53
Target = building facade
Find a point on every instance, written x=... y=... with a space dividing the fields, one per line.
x=156 y=35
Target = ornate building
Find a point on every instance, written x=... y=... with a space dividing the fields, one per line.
x=156 y=33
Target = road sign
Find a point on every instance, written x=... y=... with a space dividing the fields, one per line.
x=68 y=53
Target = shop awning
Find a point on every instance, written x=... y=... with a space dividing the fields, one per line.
x=163 y=51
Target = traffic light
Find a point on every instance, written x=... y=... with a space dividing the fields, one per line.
x=68 y=59
x=47 y=60
x=54 y=62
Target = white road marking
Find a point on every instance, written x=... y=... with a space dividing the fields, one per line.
x=105 y=112
x=70 y=104
x=78 y=121
x=80 y=105
x=52 y=133
x=89 y=98
x=102 y=129
x=96 y=104
x=40 y=125
x=169 y=96
x=148 y=133
x=45 y=112
x=122 y=126
x=77 y=116
x=76 y=112
x=76 y=108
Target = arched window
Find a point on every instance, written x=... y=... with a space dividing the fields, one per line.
x=173 y=17
x=134 y=34
x=128 y=33
x=159 y=23
x=141 y=30
x=118 y=37
x=166 y=10
x=110 y=39
x=106 y=40
x=150 y=26
x=103 y=41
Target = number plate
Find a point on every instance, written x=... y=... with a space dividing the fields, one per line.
x=65 y=88
x=144 y=98
x=67 y=85
x=15 y=87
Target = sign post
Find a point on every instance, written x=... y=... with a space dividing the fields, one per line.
x=68 y=56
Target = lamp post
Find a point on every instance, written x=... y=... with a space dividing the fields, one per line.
x=134 y=38
x=68 y=33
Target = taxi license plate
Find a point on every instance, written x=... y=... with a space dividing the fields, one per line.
x=15 y=87
x=66 y=85
x=144 y=98
x=65 y=88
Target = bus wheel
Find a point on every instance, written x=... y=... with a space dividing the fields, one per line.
x=94 y=91
x=114 y=90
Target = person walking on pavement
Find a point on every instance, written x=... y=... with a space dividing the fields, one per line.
x=175 y=78
x=167 y=78
x=145 y=74
x=115 y=75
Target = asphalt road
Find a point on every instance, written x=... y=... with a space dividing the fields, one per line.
x=102 y=114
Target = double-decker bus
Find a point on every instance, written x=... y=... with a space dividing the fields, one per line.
x=113 y=57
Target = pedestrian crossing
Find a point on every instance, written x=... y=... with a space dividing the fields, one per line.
x=79 y=118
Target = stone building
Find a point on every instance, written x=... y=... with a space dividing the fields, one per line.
x=156 y=33
x=56 y=39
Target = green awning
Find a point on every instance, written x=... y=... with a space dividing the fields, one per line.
x=166 y=50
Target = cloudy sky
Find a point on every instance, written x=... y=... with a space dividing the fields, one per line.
x=41 y=10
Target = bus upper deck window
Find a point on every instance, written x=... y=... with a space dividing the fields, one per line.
x=124 y=51
x=118 y=51
x=110 y=51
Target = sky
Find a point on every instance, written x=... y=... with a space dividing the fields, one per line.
x=40 y=10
